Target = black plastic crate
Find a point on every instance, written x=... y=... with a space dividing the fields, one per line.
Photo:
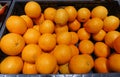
x=17 y=8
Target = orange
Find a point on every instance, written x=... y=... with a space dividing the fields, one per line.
x=32 y=9
x=49 y=13
x=29 y=68
x=47 y=42
x=37 y=27
x=47 y=27
x=74 y=50
x=56 y=70
x=28 y=20
x=16 y=24
x=31 y=52
x=46 y=63
x=75 y=38
x=99 y=36
x=62 y=53
x=83 y=14
x=39 y=20
x=86 y=47
x=11 y=65
x=99 y=11
x=111 y=23
x=31 y=36
x=114 y=62
x=94 y=25
x=61 y=16
x=101 y=65
x=72 y=13
x=83 y=34
x=101 y=49
x=12 y=44
x=110 y=37
x=64 y=69
x=116 y=44
x=60 y=29
x=81 y=64
x=64 y=38
x=74 y=25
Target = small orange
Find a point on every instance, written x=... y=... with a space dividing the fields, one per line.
x=60 y=29
x=83 y=14
x=56 y=70
x=99 y=36
x=110 y=37
x=81 y=64
x=32 y=9
x=31 y=36
x=11 y=65
x=99 y=11
x=16 y=24
x=46 y=63
x=49 y=13
x=39 y=20
x=83 y=34
x=75 y=38
x=29 y=68
x=72 y=13
x=86 y=47
x=101 y=65
x=64 y=69
x=28 y=20
x=47 y=27
x=63 y=53
x=116 y=44
x=74 y=25
x=111 y=23
x=12 y=44
x=101 y=49
x=37 y=27
x=47 y=42
x=31 y=52
x=74 y=50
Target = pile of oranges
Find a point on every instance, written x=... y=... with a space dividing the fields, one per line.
x=63 y=40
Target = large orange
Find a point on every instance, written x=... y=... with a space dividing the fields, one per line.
x=32 y=9
x=12 y=44
x=81 y=64
x=116 y=44
x=46 y=63
x=11 y=65
x=16 y=24
x=31 y=52
x=47 y=42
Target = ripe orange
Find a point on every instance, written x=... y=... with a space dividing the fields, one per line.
x=74 y=25
x=12 y=44
x=64 y=69
x=101 y=49
x=75 y=38
x=28 y=20
x=32 y=9
x=83 y=34
x=94 y=25
x=46 y=63
x=16 y=24
x=81 y=64
x=64 y=38
x=111 y=23
x=116 y=44
x=29 y=68
x=63 y=53
x=86 y=47
x=31 y=52
x=49 y=13
x=110 y=37
x=47 y=27
x=99 y=11
x=99 y=36
x=11 y=65
x=83 y=14
x=56 y=70
x=72 y=13
x=114 y=62
x=61 y=17
x=39 y=20
x=101 y=65
x=31 y=36
x=47 y=42
x=37 y=27
x=74 y=50
x=60 y=29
